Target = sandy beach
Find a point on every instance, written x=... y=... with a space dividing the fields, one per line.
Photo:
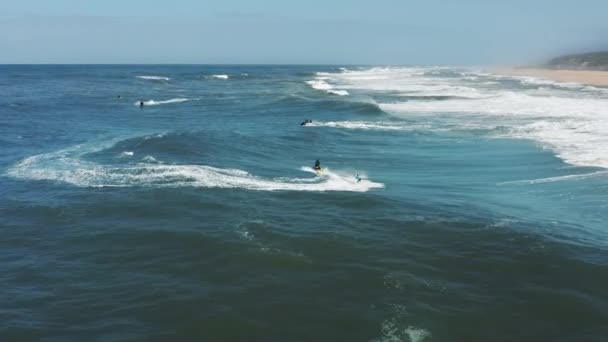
x=588 y=77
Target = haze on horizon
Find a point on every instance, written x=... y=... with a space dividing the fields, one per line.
x=299 y=32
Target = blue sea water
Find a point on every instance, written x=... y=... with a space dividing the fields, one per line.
x=482 y=213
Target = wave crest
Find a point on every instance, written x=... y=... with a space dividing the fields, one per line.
x=153 y=78
x=219 y=77
x=368 y=125
x=320 y=83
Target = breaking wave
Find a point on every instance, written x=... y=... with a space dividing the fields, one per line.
x=368 y=125
x=319 y=83
x=337 y=92
x=219 y=77
x=153 y=78
x=573 y=127
x=568 y=118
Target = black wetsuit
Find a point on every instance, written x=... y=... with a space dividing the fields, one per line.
x=317 y=165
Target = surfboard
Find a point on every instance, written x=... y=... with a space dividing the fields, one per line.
x=319 y=171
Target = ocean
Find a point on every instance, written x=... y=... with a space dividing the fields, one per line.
x=481 y=213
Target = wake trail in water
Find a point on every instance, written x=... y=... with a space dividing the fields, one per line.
x=69 y=166
x=157 y=103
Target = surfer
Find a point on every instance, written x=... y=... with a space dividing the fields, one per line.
x=358 y=178
x=141 y=104
x=317 y=165
x=305 y=122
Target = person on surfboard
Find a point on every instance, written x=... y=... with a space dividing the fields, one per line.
x=317 y=165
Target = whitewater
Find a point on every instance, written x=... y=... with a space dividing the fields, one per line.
x=455 y=204
x=570 y=119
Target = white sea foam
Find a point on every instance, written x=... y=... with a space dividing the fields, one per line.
x=246 y=235
x=539 y=81
x=156 y=103
x=507 y=103
x=568 y=118
x=150 y=159
x=407 y=81
x=126 y=154
x=393 y=332
x=558 y=178
x=577 y=141
x=154 y=78
x=219 y=77
x=368 y=125
x=68 y=166
x=416 y=334
x=320 y=83
x=338 y=92
x=575 y=128
x=155 y=136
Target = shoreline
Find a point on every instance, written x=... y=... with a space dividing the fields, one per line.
x=585 y=77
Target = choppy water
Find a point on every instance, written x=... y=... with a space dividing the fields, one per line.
x=482 y=214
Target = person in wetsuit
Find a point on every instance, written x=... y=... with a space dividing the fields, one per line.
x=317 y=165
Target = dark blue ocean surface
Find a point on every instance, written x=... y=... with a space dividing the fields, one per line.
x=481 y=214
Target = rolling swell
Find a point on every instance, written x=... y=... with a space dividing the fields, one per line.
x=211 y=229
x=206 y=146
x=338 y=104
x=175 y=147
x=352 y=106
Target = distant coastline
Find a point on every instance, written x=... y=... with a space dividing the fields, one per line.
x=585 y=68
x=597 y=61
x=586 y=77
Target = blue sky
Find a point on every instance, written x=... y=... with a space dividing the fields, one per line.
x=310 y=31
